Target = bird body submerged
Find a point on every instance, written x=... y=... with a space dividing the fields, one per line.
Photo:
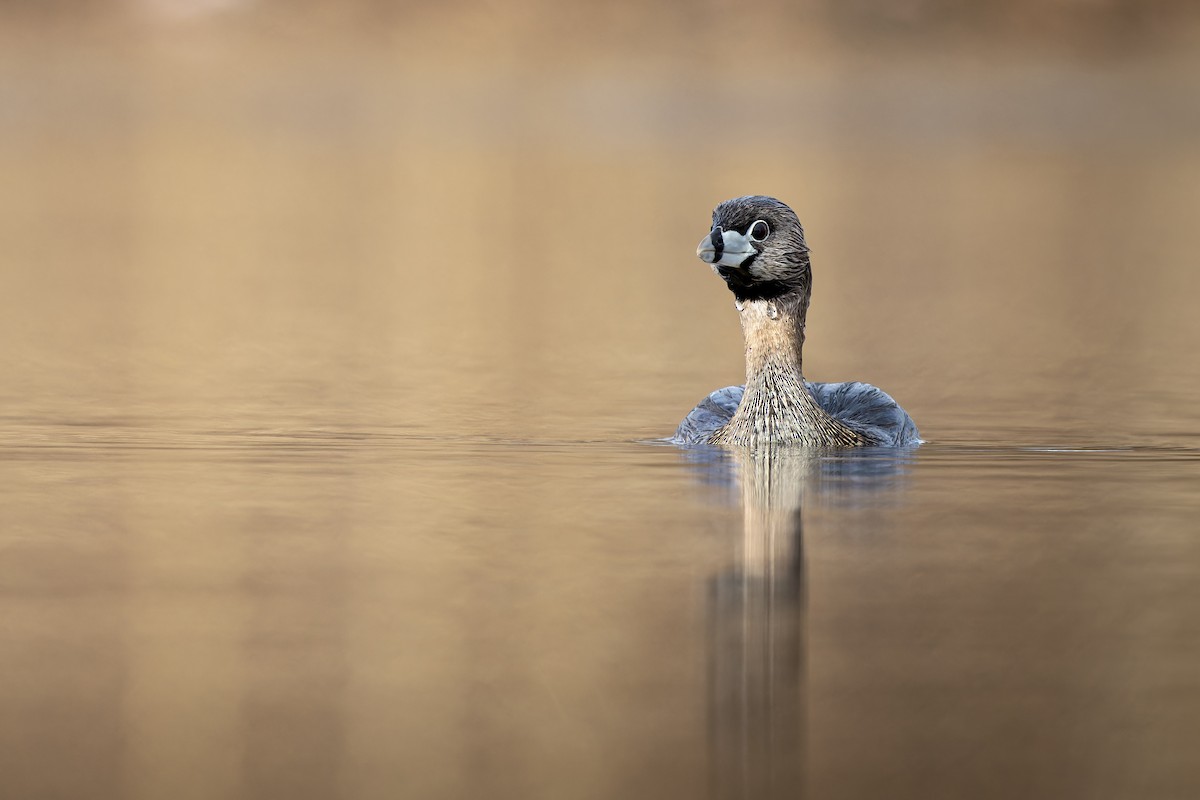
x=863 y=408
x=757 y=246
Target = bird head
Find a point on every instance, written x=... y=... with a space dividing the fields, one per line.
x=757 y=247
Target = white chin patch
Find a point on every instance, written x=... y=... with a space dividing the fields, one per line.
x=737 y=249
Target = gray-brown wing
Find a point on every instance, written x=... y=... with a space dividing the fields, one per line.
x=705 y=419
x=869 y=410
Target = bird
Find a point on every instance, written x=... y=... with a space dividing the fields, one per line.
x=757 y=246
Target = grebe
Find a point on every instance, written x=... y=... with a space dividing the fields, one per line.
x=757 y=246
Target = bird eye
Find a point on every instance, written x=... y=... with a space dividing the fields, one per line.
x=759 y=230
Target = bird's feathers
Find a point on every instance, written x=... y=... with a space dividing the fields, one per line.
x=860 y=406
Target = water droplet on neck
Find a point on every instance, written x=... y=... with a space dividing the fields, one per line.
x=772 y=311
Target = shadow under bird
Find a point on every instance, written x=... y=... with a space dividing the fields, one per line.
x=757 y=247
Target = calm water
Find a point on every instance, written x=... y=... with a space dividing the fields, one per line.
x=327 y=459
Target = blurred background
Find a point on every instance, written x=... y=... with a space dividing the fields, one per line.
x=327 y=328
x=224 y=201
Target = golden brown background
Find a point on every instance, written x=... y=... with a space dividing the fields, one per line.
x=332 y=330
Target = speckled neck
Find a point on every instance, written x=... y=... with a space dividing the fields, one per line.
x=774 y=334
x=777 y=406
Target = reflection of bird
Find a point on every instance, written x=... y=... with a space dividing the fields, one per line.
x=757 y=246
